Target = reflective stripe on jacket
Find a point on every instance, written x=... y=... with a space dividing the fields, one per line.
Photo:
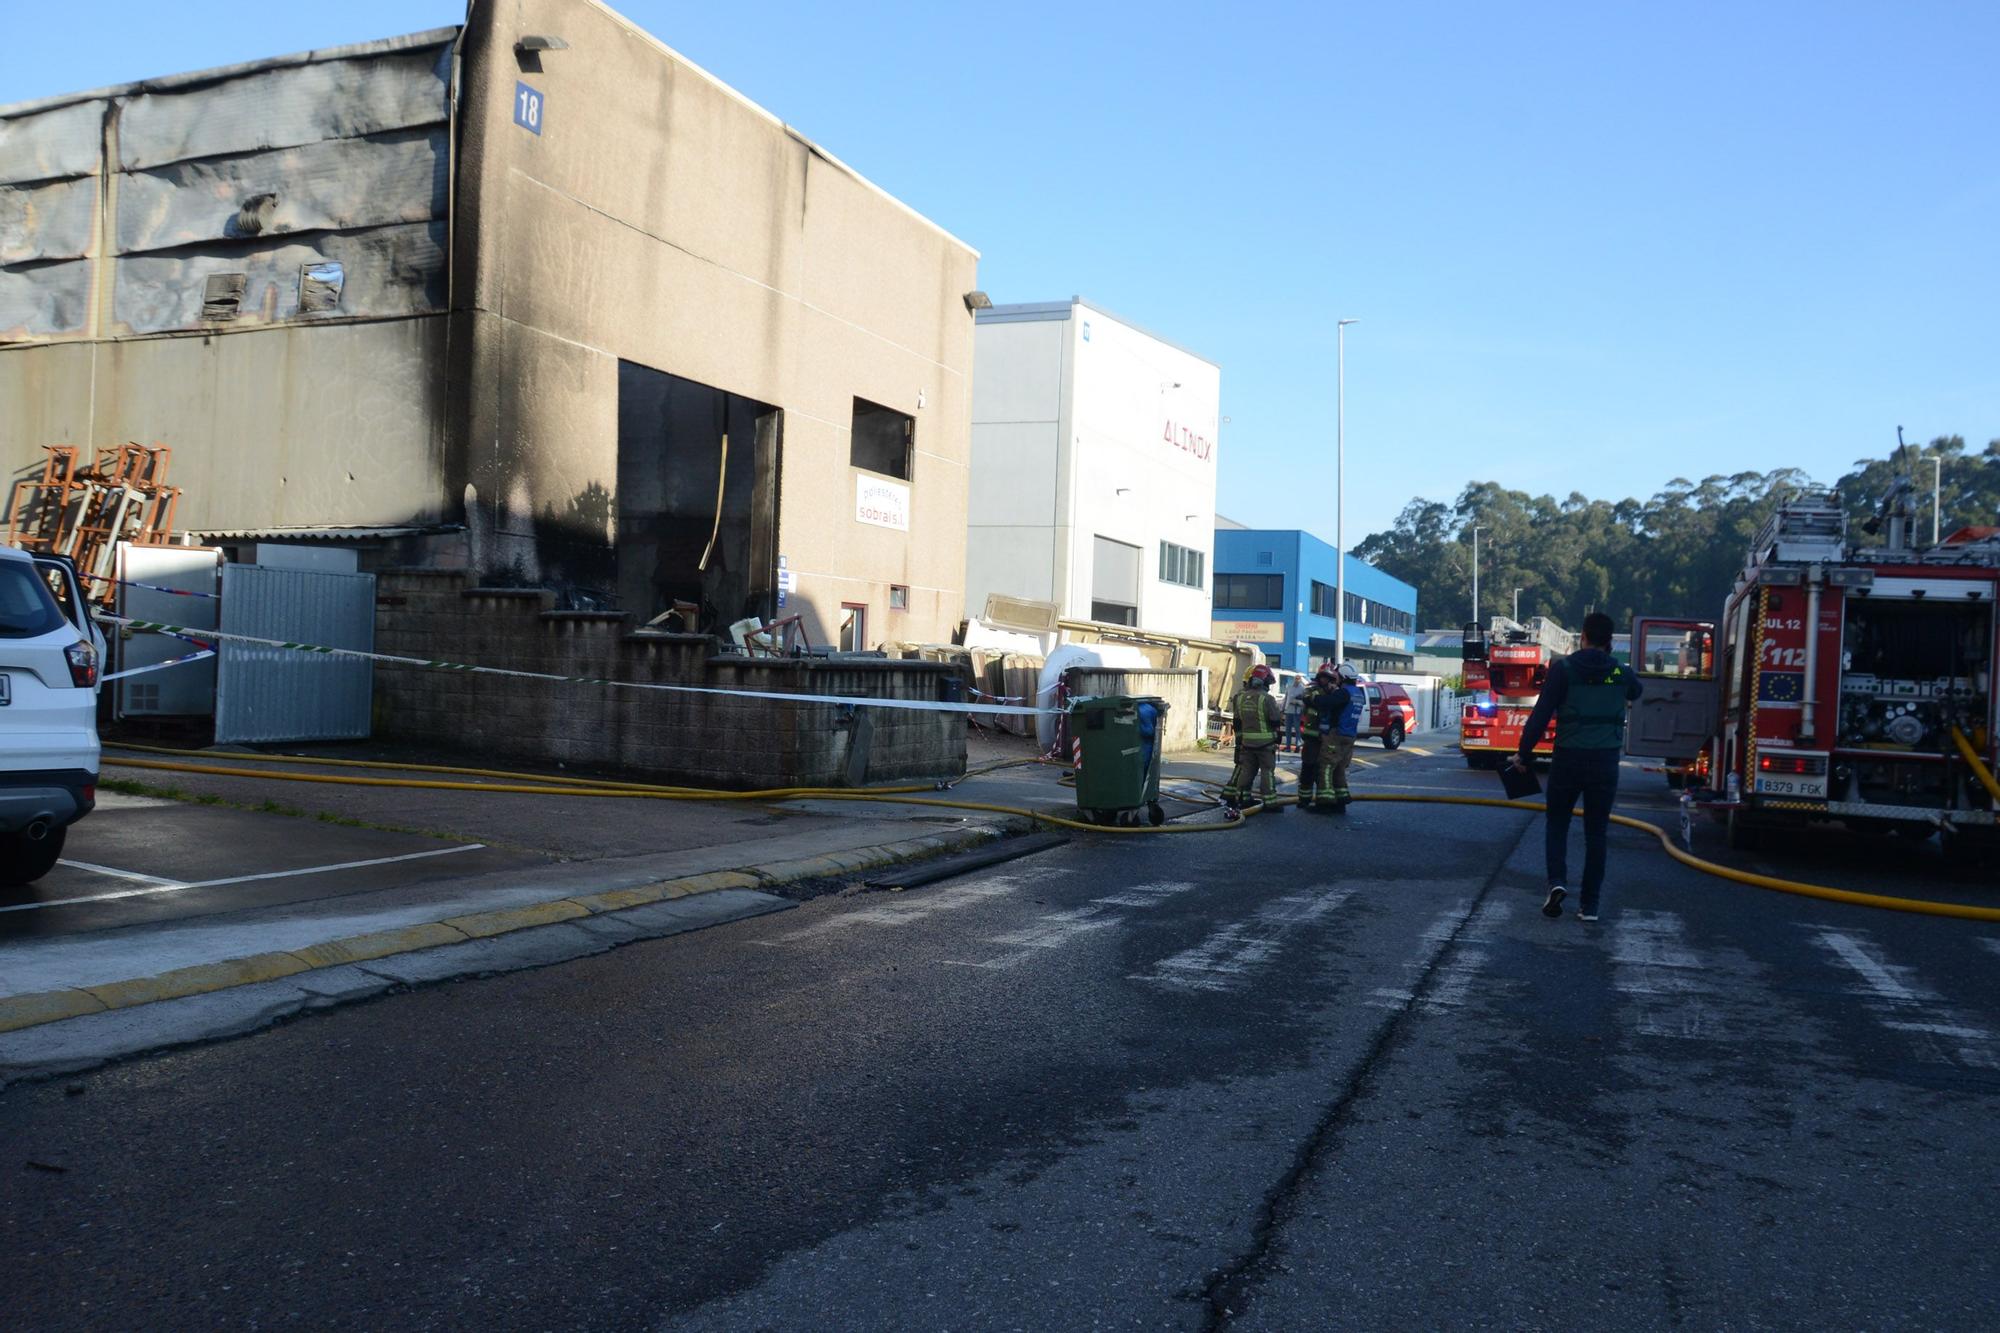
x=1257 y=717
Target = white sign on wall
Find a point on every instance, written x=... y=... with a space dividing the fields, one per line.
x=886 y=504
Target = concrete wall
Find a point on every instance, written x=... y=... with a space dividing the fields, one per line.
x=1187 y=718
x=703 y=740
x=658 y=217
x=289 y=426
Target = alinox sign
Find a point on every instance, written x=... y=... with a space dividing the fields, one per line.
x=1189 y=440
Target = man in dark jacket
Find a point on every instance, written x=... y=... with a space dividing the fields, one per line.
x=1586 y=694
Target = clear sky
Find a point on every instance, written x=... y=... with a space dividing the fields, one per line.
x=1592 y=246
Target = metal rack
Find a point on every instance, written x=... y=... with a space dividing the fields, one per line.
x=82 y=506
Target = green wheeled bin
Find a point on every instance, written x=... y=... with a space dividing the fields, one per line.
x=1118 y=773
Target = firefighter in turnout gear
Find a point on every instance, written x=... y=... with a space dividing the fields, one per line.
x=1326 y=699
x=1336 y=716
x=1257 y=717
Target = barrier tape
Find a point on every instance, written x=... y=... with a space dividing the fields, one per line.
x=159 y=666
x=430 y=664
x=151 y=587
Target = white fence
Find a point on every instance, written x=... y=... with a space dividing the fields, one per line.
x=1437 y=706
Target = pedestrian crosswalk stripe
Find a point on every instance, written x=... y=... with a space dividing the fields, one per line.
x=1902 y=1003
x=1653 y=966
x=1455 y=978
x=1234 y=950
x=1054 y=930
x=897 y=912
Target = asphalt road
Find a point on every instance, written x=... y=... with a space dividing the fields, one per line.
x=1319 y=1073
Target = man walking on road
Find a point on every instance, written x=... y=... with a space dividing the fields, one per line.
x=1586 y=694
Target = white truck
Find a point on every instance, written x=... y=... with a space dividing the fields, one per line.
x=50 y=656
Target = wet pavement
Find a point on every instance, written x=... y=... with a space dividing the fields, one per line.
x=1318 y=1073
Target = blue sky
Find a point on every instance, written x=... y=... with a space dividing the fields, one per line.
x=1592 y=246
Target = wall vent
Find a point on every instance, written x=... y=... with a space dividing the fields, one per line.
x=222 y=296
x=1263 y=557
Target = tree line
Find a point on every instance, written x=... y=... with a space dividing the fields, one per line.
x=1675 y=554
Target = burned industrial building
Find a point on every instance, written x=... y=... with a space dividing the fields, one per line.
x=535 y=298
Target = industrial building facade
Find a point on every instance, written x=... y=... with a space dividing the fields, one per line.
x=1277 y=588
x=533 y=297
x=1093 y=468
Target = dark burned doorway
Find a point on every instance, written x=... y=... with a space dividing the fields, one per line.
x=697 y=500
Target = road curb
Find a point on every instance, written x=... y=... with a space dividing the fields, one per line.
x=20 y=1012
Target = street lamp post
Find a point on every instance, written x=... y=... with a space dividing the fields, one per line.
x=1340 y=491
x=1477 y=528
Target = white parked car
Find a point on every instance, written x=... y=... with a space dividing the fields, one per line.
x=50 y=656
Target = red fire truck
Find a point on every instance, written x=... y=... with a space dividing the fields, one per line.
x=1505 y=665
x=1844 y=682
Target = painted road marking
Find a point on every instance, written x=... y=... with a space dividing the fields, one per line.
x=115 y=873
x=1903 y=1004
x=918 y=905
x=1653 y=966
x=172 y=886
x=1233 y=951
x=1055 y=930
x=1455 y=978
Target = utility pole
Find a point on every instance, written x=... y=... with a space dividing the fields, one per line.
x=1340 y=491
x=1477 y=528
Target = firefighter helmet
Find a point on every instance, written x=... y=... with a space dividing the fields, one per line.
x=1326 y=673
x=1259 y=678
x=1348 y=675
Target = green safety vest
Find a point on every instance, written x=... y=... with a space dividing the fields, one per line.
x=1592 y=717
x=1253 y=722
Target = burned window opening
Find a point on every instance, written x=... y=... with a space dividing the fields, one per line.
x=319 y=287
x=697 y=500
x=222 y=296
x=882 y=439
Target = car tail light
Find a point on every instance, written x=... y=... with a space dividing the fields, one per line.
x=82 y=664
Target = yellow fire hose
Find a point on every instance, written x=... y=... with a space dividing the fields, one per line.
x=537 y=785
x=1979 y=769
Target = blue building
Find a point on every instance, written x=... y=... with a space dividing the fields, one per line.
x=1275 y=588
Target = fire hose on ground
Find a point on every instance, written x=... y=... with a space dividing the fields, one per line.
x=508 y=782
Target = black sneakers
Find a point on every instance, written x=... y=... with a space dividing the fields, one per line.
x=1553 y=908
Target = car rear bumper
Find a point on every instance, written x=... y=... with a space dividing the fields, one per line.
x=54 y=798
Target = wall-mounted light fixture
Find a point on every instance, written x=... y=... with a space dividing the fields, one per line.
x=977 y=301
x=538 y=42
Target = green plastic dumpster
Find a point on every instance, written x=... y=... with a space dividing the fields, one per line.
x=1118 y=774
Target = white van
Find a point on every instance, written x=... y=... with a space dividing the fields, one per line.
x=50 y=656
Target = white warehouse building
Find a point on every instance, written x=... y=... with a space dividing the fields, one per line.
x=1093 y=468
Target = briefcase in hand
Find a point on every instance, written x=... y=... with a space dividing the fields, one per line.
x=1520 y=783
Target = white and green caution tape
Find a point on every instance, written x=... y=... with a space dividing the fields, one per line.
x=431 y=664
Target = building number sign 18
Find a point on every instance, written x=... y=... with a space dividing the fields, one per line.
x=528 y=108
